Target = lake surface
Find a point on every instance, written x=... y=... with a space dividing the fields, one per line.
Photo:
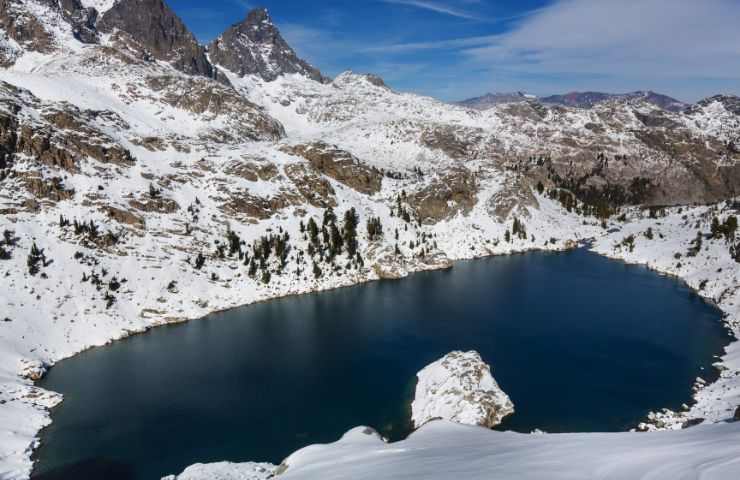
x=579 y=342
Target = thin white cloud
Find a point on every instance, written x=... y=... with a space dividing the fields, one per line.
x=688 y=47
x=436 y=7
x=245 y=4
x=453 y=44
x=659 y=38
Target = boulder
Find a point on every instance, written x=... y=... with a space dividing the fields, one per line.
x=459 y=388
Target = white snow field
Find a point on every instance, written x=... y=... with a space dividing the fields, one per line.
x=442 y=450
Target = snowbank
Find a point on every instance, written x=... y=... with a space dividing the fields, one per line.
x=443 y=450
x=226 y=471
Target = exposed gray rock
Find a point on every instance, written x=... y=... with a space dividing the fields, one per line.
x=255 y=46
x=163 y=35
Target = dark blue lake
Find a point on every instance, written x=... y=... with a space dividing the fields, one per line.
x=579 y=342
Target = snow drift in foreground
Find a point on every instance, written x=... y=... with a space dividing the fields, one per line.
x=459 y=387
x=444 y=450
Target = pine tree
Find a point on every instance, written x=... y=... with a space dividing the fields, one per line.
x=9 y=237
x=337 y=242
x=35 y=257
x=154 y=192
x=374 y=229
x=200 y=260
x=252 y=268
x=329 y=216
x=316 y=271
x=351 y=220
x=234 y=242
x=716 y=228
x=730 y=227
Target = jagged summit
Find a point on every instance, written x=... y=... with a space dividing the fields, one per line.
x=255 y=46
x=154 y=25
x=149 y=29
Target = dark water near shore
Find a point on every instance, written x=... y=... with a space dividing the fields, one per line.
x=579 y=342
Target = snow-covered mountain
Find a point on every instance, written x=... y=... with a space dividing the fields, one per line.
x=256 y=47
x=147 y=179
x=589 y=99
x=489 y=100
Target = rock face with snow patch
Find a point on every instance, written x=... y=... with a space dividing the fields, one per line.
x=156 y=27
x=255 y=46
x=460 y=388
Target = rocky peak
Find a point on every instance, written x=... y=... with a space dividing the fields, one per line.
x=256 y=47
x=350 y=78
x=161 y=32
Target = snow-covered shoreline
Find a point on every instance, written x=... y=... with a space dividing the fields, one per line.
x=599 y=245
x=708 y=405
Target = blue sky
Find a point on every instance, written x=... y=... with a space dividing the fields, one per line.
x=455 y=49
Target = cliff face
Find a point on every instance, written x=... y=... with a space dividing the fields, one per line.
x=156 y=27
x=256 y=47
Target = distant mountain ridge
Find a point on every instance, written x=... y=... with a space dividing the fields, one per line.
x=589 y=99
x=575 y=99
x=492 y=99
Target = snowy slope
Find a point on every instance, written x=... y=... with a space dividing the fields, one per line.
x=443 y=450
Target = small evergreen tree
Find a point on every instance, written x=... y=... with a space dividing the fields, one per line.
x=252 y=268
x=200 y=260
x=374 y=229
x=35 y=259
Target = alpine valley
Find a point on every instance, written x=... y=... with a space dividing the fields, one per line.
x=147 y=179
